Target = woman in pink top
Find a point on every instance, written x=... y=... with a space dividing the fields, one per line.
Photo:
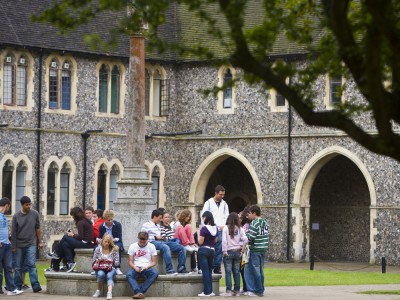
x=184 y=232
x=233 y=245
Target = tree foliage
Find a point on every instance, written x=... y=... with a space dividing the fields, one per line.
x=359 y=39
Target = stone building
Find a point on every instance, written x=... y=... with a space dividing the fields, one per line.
x=56 y=95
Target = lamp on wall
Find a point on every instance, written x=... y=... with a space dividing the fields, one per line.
x=85 y=135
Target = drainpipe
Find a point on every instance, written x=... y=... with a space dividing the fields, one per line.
x=85 y=135
x=289 y=170
x=39 y=126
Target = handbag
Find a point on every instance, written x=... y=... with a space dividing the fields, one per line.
x=103 y=264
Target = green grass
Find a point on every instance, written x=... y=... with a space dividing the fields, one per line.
x=389 y=292
x=296 y=277
x=40 y=265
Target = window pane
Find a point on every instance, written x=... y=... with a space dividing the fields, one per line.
x=228 y=91
x=335 y=86
x=7 y=185
x=101 y=189
x=147 y=93
x=103 y=89
x=164 y=97
x=115 y=88
x=21 y=85
x=113 y=189
x=156 y=97
x=20 y=187
x=66 y=90
x=51 y=192
x=155 y=188
x=64 y=192
x=280 y=100
x=9 y=84
x=53 y=88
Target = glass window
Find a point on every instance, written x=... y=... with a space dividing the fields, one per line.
x=115 y=90
x=64 y=191
x=20 y=186
x=51 y=191
x=335 y=89
x=147 y=93
x=227 y=103
x=113 y=188
x=7 y=182
x=101 y=189
x=53 y=84
x=9 y=80
x=280 y=100
x=155 y=178
x=156 y=93
x=103 y=88
x=21 y=81
x=66 y=86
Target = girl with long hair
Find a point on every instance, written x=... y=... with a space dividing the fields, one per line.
x=233 y=246
x=184 y=231
x=207 y=238
x=109 y=251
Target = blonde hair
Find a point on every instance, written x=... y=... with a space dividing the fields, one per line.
x=108 y=214
x=111 y=245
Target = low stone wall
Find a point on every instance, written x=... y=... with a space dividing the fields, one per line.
x=81 y=282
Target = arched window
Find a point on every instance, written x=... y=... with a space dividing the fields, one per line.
x=52 y=189
x=335 y=86
x=103 y=88
x=115 y=90
x=58 y=189
x=107 y=177
x=147 y=92
x=15 y=80
x=14 y=179
x=64 y=190
x=20 y=184
x=113 y=186
x=60 y=85
x=227 y=95
x=101 y=187
x=110 y=88
x=7 y=182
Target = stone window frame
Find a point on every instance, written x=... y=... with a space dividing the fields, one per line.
x=73 y=67
x=19 y=161
x=59 y=164
x=221 y=79
x=29 y=86
x=157 y=165
x=110 y=65
x=328 y=92
x=108 y=167
x=156 y=102
x=273 y=100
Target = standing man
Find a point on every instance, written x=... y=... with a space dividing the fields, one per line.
x=6 y=250
x=258 y=241
x=142 y=259
x=26 y=236
x=220 y=211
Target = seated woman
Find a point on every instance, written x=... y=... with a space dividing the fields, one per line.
x=106 y=250
x=184 y=232
x=81 y=238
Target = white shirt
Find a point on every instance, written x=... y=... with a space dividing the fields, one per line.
x=152 y=229
x=142 y=255
x=220 y=213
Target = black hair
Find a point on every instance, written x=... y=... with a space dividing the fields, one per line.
x=255 y=209
x=77 y=214
x=4 y=201
x=219 y=188
x=99 y=213
x=209 y=219
x=156 y=213
x=25 y=199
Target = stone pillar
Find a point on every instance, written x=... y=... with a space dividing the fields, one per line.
x=134 y=202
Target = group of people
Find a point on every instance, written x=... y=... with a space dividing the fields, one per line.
x=237 y=240
x=18 y=251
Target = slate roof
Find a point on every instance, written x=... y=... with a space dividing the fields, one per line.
x=16 y=29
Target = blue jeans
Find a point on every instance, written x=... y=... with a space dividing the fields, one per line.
x=27 y=255
x=166 y=248
x=6 y=263
x=218 y=251
x=232 y=264
x=254 y=273
x=150 y=275
x=206 y=257
x=101 y=275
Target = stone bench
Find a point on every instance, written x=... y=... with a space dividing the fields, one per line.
x=181 y=285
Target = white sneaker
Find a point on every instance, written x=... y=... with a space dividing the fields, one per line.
x=203 y=295
x=251 y=294
x=93 y=273
x=212 y=294
x=14 y=292
x=189 y=248
x=118 y=271
x=96 y=294
x=109 y=294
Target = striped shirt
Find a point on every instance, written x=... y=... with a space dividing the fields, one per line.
x=258 y=235
x=3 y=229
x=166 y=232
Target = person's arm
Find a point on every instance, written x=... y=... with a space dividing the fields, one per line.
x=96 y=254
x=131 y=263
x=14 y=230
x=117 y=234
x=80 y=234
x=181 y=234
x=225 y=236
x=39 y=238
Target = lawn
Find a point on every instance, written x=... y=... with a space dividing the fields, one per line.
x=297 y=277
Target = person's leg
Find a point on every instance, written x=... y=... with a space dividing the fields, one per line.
x=69 y=245
x=218 y=253
x=166 y=252
x=249 y=276
x=262 y=258
x=205 y=263
x=110 y=279
x=19 y=260
x=243 y=279
x=6 y=263
x=193 y=264
x=228 y=261
x=100 y=276
x=236 y=271
x=31 y=265
x=175 y=247
x=131 y=276
x=151 y=276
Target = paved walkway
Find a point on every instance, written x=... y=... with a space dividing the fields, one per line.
x=272 y=293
